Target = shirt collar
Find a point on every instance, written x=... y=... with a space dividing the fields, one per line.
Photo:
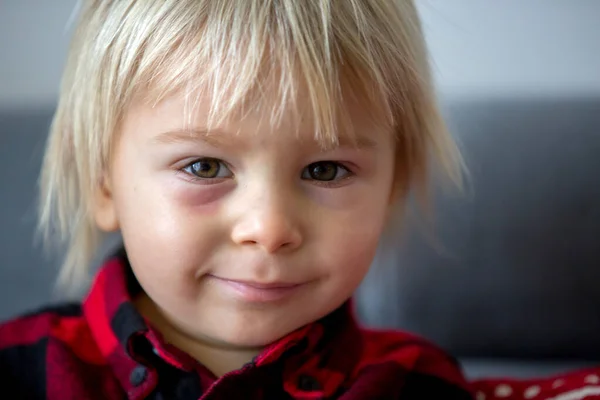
x=318 y=357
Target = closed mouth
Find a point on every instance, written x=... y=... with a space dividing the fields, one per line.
x=259 y=292
x=260 y=285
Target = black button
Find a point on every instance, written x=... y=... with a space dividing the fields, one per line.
x=189 y=387
x=307 y=383
x=138 y=375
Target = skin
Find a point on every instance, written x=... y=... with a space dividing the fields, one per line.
x=251 y=212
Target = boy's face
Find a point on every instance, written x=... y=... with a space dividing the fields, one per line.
x=243 y=235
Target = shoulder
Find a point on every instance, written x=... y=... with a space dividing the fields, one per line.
x=425 y=367
x=37 y=326
x=25 y=342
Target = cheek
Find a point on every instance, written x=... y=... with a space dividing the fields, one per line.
x=168 y=238
x=352 y=241
x=352 y=232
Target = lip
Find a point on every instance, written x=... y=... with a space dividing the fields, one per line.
x=258 y=292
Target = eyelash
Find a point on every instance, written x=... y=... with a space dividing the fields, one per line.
x=191 y=177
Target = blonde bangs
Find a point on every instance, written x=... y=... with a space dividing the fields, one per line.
x=284 y=51
x=242 y=55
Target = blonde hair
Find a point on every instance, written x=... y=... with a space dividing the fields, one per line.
x=231 y=49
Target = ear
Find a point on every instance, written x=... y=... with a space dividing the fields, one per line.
x=105 y=212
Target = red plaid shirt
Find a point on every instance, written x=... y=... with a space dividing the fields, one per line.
x=104 y=349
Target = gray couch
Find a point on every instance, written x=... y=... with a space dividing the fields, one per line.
x=505 y=279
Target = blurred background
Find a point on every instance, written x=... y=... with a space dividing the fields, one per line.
x=481 y=48
x=507 y=279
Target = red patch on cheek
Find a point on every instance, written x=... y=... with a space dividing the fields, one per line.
x=203 y=197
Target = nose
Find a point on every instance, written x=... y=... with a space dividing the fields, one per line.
x=268 y=223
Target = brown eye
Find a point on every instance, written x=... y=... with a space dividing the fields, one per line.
x=208 y=168
x=323 y=171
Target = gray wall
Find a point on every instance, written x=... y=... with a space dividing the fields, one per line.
x=479 y=47
x=514 y=47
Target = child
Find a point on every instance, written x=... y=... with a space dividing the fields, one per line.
x=250 y=153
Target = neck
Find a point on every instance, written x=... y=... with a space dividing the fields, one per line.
x=221 y=360
x=218 y=358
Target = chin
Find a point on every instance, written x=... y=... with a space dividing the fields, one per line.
x=252 y=337
x=257 y=339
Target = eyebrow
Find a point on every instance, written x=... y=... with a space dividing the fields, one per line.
x=214 y=137
x=219 y=138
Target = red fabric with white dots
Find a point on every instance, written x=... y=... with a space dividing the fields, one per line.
x=584 y=384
